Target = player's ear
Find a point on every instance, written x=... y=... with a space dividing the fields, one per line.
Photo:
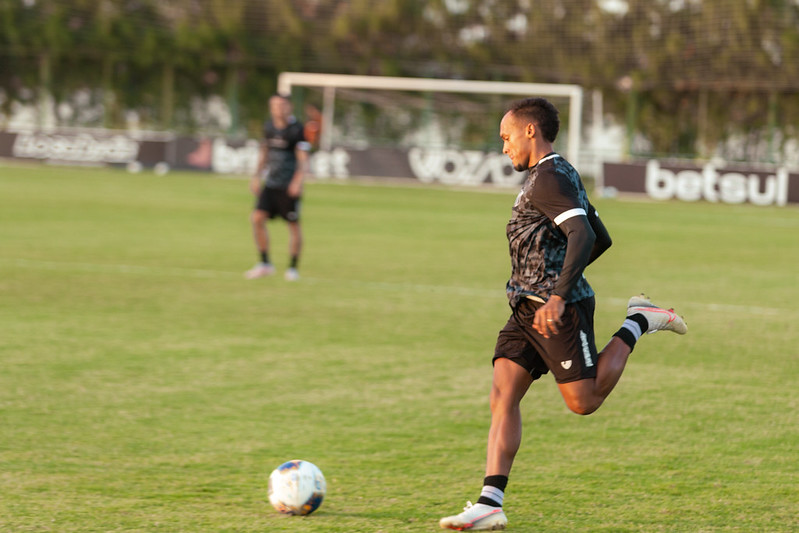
x=529 y=130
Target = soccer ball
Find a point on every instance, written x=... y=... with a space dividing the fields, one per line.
x=297 y=488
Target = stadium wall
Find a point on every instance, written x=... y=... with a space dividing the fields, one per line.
x=226 y=156
x=659 y=180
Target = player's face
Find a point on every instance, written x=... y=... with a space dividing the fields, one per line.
x=516 y=144
x=279 y=107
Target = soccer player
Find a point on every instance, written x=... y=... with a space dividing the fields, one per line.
x=554 y=233
x=277 y=184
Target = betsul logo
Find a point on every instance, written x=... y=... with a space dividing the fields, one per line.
x=714 y=186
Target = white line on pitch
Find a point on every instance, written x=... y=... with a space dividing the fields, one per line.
x=222 y=274
x=373 y=285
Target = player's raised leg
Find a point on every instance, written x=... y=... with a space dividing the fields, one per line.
x=585 y=396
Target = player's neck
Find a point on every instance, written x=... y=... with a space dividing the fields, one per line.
x=540 y=152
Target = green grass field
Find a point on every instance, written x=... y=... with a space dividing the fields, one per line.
x=146 y=386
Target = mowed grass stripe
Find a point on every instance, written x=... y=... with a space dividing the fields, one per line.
x=147 y=386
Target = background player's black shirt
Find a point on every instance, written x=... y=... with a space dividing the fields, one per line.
x=552 y=193
x=281 y=158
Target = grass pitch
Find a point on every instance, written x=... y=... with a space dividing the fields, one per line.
x=146 y=386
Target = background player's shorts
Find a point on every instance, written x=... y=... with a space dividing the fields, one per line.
x=277 y=202
x=571 y=354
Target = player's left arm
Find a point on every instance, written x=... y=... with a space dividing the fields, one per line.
x=603 y=240
x=301 y=151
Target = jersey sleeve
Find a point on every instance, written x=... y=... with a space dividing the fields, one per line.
x=298 y=138
x=556 y=198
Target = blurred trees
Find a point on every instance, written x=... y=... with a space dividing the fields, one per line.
x=685 y=74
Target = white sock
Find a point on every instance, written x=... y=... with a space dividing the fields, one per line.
x=493 y=493
x=633 y=327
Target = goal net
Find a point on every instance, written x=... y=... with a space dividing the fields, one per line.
x=429 y=129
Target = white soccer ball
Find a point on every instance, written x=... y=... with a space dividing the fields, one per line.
x=297 y=488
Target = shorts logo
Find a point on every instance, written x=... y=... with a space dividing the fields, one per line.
x=566 y=364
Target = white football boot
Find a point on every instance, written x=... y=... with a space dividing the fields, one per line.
x=478 y=517
x=291 y=275
x=659 y=319
x=260 y=270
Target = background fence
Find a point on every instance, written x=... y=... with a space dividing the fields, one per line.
x=693 y=79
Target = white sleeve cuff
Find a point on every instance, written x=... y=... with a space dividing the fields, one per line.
x=566 y=215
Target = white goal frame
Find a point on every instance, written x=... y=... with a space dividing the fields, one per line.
x=287 y=80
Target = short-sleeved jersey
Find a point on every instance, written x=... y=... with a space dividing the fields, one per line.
x=281 y=157
x=552 y=193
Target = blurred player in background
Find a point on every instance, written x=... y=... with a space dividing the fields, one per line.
x=554 y=233
x=313 y=125
x=277 y=185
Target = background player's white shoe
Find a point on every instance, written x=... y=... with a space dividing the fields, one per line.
x=292 y=274
x=659 y=319
x=478 y=517
x=260 y=270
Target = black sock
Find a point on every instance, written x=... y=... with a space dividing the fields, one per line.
x=295 y=259
x=264 y=257
x=497 y=482
x=626 y=332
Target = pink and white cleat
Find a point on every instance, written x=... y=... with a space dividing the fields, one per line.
x=659 y=319
x=261 y=270
x=478 y=517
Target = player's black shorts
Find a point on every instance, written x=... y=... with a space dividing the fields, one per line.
x=277 y=202
x=571 y=354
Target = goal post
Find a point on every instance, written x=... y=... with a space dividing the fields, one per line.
x=330 y=82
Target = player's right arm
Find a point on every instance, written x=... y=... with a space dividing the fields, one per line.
x=559 y=201
x=255 y=180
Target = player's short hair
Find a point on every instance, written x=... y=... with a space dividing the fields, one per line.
x=539 y=111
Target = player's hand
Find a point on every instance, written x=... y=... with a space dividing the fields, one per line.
x=295 y=189
x=547 y=318
x=255 y=185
